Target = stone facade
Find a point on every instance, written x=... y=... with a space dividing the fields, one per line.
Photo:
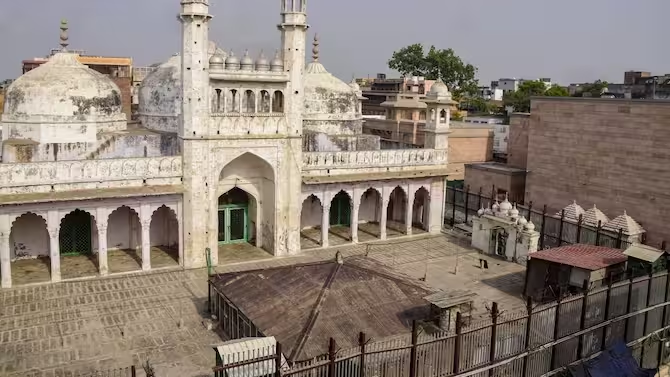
x=228 y=150
x=517 y=146
x=488 y=176
x=605 y=151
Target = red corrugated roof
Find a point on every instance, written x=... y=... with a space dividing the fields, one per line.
x=588 y=257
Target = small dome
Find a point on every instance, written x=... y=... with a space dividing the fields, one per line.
x=354 y=85
x=232 y=62
x=522 y=221
x=529 y=226
x=262 y=64
x=514 y=212
x=63 y=90
x=439 y=88
x=505 y=206
x=247 y=64
x=277 y=64
x=495 y=206
x=216 y=62
x=480 y=212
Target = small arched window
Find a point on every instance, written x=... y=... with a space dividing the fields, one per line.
x=278 y=102
x=233 y=102
x=249 y=104
x=264 y=102
x=217 y=104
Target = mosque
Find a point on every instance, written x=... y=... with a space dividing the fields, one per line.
x=266 y=152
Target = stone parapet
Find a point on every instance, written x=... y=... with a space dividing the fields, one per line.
x=374 y=159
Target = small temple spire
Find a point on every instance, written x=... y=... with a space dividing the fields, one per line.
x=63 y=35
x=315 y=49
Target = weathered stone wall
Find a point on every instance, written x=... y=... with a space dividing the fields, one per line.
x=334 y=126
x=319 y=142
x=608 y=152
x=481 y=178
x=141 y=144
x=125 y=85
x=517 y=145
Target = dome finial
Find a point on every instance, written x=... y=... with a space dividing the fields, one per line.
x=315 y=49
x=63 y=35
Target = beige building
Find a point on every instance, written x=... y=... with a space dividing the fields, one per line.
x=263 y=154
x=605 y=152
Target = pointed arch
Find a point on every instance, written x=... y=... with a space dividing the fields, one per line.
x=396 y=210
x=29 y=237
x=76 y=234
x=265 y=102
x=421 y=209
x=278 y=101
x=249 y=102
x=340 y=209
x=164 y=237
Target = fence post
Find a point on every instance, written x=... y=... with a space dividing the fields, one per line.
x=598 y=229
x=361 y=344
x=619 y=238
x=479 y=198
x=530 y=209
x=628 y=305
x=133 y=371
x=529 y=309
x=209 y=296
x=278 y=353
x=467 y=197
x=664 y=314
x=544 y=220
x=556 y=328
x=494 y=336
x=494 y=197
x=560 y=228
x=412 y=352
x=453 y=209
x=607 y=311
x=647 y=304
x=582 y=319
x=458 y=343
x=579 y=228
x=331 y=357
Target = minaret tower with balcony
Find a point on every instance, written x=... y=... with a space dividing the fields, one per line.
x=193 y=130
x=439 y=101
x=293 y=29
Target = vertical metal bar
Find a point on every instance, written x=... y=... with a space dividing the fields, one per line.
x=133 y=372
x=542 y=229
x=467 y=196
x=331 y=357
x=560 y=228
x=209 y=296
x=494 y=336
x=582 y=318
x=628 y=305
x=278 y=360
x=579 y=228
x=361 y=343
x=453 y=208
x=529 y=310
x=458 y=344
x=412 y=354
x=479 y=198
x=598 y=229
x=556 y=328
x=619 y=238
x=661 y=344
x=608 y=298
x=647 y=304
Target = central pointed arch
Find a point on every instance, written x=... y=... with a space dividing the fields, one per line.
x=246 y=201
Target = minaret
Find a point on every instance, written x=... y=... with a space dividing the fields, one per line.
x=193 y=131
x=195 y=18
x=63 y=36
x=437 y=129
x=293 y=38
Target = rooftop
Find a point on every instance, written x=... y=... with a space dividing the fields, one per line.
x=587 y=257
x=304 y=305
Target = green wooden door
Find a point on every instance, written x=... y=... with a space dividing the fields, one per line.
x=233 y=224
x=340 y=210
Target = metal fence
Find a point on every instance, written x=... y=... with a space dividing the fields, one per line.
x=540 y=340
x=461 y=206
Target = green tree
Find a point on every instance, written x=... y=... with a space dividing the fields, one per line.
x=594 y=89
x=520 y=99
x=437 y=64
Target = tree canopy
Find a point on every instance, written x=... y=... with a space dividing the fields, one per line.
x=520 y=99
x=437 y=64
x=594 y=89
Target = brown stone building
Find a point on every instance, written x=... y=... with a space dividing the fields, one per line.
x=612 y=153
x=119 y=69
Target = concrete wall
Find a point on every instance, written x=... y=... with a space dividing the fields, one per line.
x=468 y=145
x=517 y=145
x=481 y=178
x=610 y=152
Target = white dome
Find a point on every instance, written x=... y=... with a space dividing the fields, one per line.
x=160 y=93
x=63 y=90
x=439 y=88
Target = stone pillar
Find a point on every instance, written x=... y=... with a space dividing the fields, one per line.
x=180 y=222
x=145 y=221
x=5 y=261
x=354 y=217
x=325 y=225
x=436 y=211
x=408 y=216
x=53 y=226
x=103 y=265
x=382 y=221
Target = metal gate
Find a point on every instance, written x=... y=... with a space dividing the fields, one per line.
x=75 y=234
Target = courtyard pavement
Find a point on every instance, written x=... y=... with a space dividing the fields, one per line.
x=82 y=326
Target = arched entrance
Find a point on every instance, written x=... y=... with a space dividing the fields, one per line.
x=340 y=210
x=420 y=209
x=369 y=215
x=311 y=217
x=396 y=211
x=164 y=236
x=30 y=250
x=233 y=217
x=124 y=240
x=76 y=245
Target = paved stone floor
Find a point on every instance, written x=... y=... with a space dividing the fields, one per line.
x=98 y=324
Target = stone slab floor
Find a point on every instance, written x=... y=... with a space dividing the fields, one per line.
x=80 y=326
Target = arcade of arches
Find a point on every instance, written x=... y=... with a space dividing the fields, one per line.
x=77 y=241
x=365 y=217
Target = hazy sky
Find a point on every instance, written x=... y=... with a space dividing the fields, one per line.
x=567 y=40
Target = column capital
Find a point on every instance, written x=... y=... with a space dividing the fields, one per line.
x=146 y=224
x=53 y=232
x=102 y=228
